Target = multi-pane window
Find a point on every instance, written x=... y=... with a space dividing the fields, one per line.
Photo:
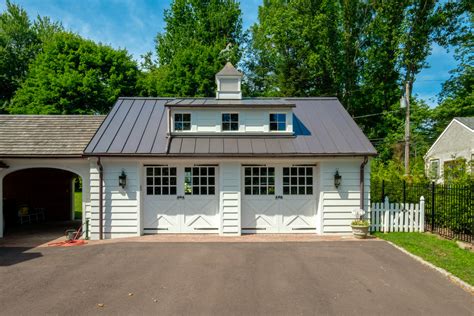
x=297 y=180
x=161 y=180
x=259 y=180
x=434 y=172
x=182 y=122
x=200 y=180
x=230 y=121
x=277 y=122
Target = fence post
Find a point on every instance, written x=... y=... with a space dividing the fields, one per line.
x=386 y=215
x=422 y=214
x=383 y=190
x=404 y=193
x=433 y=195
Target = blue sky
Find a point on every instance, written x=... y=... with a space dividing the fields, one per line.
x=133 y=24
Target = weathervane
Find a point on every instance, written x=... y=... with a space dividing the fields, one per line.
x=226 y=51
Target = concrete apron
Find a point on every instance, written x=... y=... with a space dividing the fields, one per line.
x=44 y=241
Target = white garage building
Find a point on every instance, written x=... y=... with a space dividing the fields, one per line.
x=226 y=165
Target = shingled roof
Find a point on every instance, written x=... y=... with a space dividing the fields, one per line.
x=468 y=121
x=138 y=127
x=229 y=70
x=46 y=135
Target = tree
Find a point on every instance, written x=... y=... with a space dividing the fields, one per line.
x=19 y=44
x=73 y=75
x=295 y=49
x=189 y=51
x=457 y=97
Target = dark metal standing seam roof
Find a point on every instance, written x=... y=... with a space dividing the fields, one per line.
x=46 y=135
x=138 y=127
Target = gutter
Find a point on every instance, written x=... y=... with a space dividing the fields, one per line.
x=101 y=199
x=362 y=193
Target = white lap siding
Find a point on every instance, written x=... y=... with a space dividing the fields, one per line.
x=337 y=204
x=121 y=217
x=230 y=194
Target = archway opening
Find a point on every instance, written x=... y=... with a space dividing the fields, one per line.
x=41 y=202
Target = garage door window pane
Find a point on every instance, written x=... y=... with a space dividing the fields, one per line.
x=160 y=180
x=259 y=181
x=200 y=180
x=298 y=181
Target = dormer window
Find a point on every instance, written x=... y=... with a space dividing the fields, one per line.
x=278 y=122
x=230 y=122
x=182 y=122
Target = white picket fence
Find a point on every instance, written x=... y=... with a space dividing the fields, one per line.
x=397 y=217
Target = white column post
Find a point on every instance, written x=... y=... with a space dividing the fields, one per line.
x=386 y=215
x=422 y=214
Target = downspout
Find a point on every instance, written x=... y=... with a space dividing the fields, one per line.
x=168 y=131
x=101 y=199
x=362 y=193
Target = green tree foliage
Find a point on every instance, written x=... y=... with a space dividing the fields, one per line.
x=457 y=172
x=20 y=41
x=19 y=44
x=73 y=75
x=189 y=50
x=360 y=51
x=457 y=97
x=295 y=49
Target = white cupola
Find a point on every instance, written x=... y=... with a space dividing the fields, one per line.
x=228 y=82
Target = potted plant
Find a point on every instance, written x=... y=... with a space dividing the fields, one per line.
x=360 y=226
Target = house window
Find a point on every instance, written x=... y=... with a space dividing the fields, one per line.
x=434 y=168
x=298 y=181
x=277 y=122
x=259 y=180
x=182 y=122
x=160 y=180
x=200 y=180
x=230 y=121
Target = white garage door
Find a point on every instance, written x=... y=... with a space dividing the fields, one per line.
x=279 y=199
x=181 y=199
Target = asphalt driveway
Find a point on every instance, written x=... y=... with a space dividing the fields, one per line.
x=285 y=278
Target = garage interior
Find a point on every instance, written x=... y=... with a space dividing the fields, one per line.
x=39 y=201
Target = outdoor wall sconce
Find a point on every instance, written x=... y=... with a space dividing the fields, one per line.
x=337 y=179
x=123 y=180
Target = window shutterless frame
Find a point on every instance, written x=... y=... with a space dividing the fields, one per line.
x=230 y=122
x=182 y=122
x=277 y=122
x=434 y=167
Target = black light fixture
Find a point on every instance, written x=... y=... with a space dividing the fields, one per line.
x=123 y=180
x=337 y=179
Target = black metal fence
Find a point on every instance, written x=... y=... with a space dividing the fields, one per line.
x=449 y=209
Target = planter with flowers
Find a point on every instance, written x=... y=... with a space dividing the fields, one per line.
x=360 y=226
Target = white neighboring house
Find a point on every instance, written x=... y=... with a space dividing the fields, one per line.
x=226 y=165
x=456 y=141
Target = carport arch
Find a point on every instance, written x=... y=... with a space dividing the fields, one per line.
x=5 y=172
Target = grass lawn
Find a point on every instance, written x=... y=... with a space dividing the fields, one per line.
x=78 y=205
x=440 y=252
